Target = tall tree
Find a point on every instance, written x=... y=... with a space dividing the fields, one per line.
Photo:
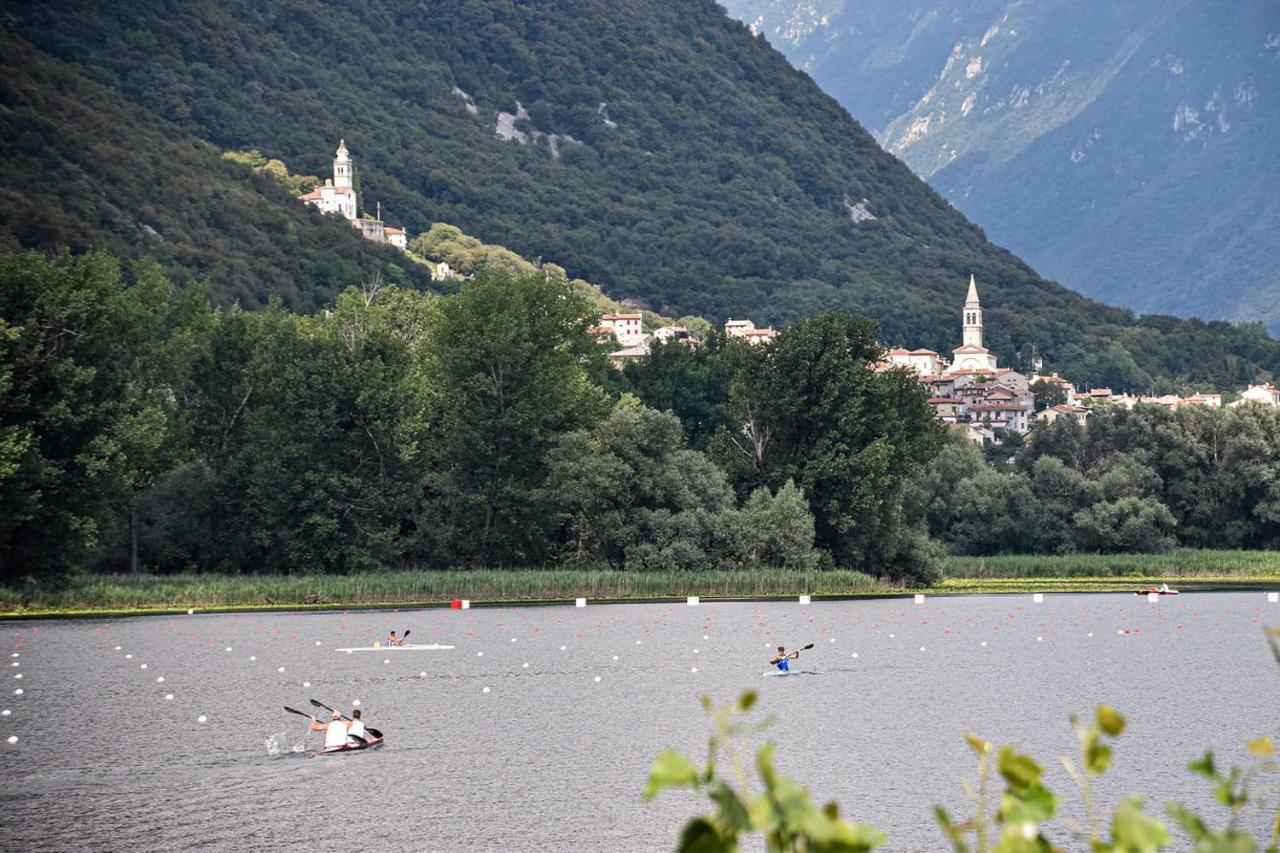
x=511 y=357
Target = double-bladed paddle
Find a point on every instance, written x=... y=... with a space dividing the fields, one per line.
x=371 y=731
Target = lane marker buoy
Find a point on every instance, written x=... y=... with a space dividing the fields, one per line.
x=919 y=598
x=13 y=738
x=804 y=599
x=486 y=690
x=692 y=601
x=579 y=602
x=1037 y=598
x=168 y=697
x=597 y=678
x=202 y=718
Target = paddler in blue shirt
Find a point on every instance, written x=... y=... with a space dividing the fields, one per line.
x=781 y=661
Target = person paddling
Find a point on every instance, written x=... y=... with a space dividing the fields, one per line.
x=782 y=660
x=335 y=731
x=395 y=640
x=356 y=727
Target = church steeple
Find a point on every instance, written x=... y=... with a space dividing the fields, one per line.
x=972 y=325
x=342 y=166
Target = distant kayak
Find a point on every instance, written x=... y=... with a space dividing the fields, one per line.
x=1156 y=590
x=350 y=746
x=433 y=647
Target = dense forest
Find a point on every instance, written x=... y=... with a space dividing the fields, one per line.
x=659 y=150
x=144 y=427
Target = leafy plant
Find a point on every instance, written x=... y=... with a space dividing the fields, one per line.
x=781 y=810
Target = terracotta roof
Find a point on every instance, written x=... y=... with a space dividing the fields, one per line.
x=630 y=316
x=922 y=352
x=899 y=351
x=999 y=407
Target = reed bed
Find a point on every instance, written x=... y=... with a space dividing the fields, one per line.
x=87 y=593
x=1183 y=563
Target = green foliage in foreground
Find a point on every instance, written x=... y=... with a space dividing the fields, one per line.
x=1014 y=818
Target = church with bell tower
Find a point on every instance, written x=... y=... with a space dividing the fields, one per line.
x=338 y=195
x=971 y=356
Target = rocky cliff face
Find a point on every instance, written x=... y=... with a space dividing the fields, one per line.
x=1126 y=149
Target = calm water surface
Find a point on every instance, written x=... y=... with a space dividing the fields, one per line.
x=554 y=755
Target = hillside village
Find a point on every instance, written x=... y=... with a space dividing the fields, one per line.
x=970 y=392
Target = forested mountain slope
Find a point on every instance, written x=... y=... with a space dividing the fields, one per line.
x=1145 y=130
x=82 y=168
x=658 y=149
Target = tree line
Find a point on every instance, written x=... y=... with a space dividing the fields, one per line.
x=142 y=427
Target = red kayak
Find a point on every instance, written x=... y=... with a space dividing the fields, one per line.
x=351 y=746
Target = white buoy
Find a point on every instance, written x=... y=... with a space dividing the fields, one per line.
x=159 y=679
x=804 y=599
x=279 y=669
x=386 y=660
x=1039 y=639
x=513 y=639
x=984 y=642
x=191 y=611
x=922 y=648
x=168 y=697
x=6 y=712
x=485 y=690
x=317 y=642
x=562 y=648
x=692 y=601
x=481 y=654
x=202 y=718
x=1273 y=597
x=355 y=703
x=13 y=738
x=117 y=649
x=19 y=675
x=637 y=642
x=15 y=663
x=1090 y=633
x=466 y=604
x=142 y=666
x=693 y=669
x=16 y=655
x=855 y=654
x=128 y=657
x=615 y=657
x=695 y=651
x=1037 y=597
x=524 y=665
x=228 y=648
x=422 y=674
x=253 y=657
x=919 y=598
x=705 y=637
x=597 y=678
x=891 y=636
x=579 y=602
x=831 y=639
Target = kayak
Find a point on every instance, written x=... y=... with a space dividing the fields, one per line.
x=350 y=746
x=1156 y=590
x=433 y=647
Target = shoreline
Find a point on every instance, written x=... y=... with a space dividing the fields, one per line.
x=949 y=588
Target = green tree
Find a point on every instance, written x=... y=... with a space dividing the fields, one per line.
x=510 y=358
x=690 y=382
x=777 y=528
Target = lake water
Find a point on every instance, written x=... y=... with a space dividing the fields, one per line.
x=554 y=756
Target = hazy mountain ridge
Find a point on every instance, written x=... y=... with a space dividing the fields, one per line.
x=1142 y=130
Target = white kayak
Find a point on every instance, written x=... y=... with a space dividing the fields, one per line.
x=432 y=647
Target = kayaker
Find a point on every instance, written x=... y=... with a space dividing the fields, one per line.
x=356 y=727
x=335 y=731
x=781 y=661
x=395 y=640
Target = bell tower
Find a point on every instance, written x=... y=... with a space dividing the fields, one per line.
x=342 y=166
x=972 y=326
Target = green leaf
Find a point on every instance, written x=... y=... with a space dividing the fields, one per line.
x=1109 y=720
x=1133 y=831
x=1203 y=766
x=701 y=835
x=1097 y=758
x=1190 y=822
x=977 y=744
x=1034 y=804
x=747 y=701
x=1020 y=771
x=670 y=770
x=729 y=807
x=954 y=832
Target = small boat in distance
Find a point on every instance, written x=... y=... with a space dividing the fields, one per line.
x=1163 y=589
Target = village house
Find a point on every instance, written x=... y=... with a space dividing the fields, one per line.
x=627 y=328
x=1079 y=414
x=1263 y=395
x=666 y=334
x=747 y=331
x=337 y=195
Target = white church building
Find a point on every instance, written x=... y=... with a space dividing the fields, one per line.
x=971 y=356
x=338 y=195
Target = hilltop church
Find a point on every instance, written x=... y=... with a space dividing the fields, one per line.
x=338 y=195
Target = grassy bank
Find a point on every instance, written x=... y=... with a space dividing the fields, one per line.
x=1184 y=563
x=101 y=594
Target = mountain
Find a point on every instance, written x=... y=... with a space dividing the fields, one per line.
x=1144 y=130
x=660 y=150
